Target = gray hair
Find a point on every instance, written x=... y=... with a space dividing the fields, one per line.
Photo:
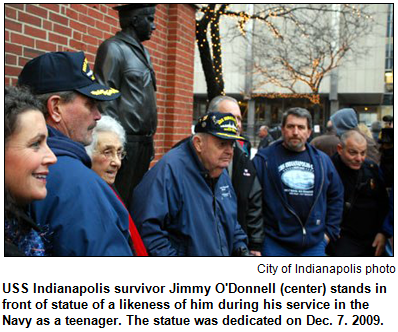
x=106 y=124
x=66 y=97
x=298 y=112
x=357 y=135
x=213 y=105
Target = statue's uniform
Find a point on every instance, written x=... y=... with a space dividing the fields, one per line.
x=123 y=63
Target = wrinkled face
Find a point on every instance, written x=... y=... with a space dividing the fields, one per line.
x=295 y=133
x=228 y=106
x=353 y=154
x=144 y=25
x=79 y=118
x=214 y=153
x=106 y=159
x=27 y=157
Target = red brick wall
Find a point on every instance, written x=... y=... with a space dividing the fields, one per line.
x=31 y=30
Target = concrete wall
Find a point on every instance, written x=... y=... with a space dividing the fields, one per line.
x=366 y=74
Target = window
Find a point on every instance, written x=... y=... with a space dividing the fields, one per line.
x=389 y=40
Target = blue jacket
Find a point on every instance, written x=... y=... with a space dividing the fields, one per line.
x=177 y=213
x=83 y=215
x=281 y=222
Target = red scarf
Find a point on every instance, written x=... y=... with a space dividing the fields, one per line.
x=135 y=236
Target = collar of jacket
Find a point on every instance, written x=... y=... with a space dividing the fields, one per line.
x=342 y=168
x=357 y=178
x=129 y=40
x=239 y=156
x=140 y=52
x=138 y=48
x=62 y=145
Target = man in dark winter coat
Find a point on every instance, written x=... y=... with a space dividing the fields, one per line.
x=347 y=119
x=185 y=205
x=81 y=213
x=328 y=141
x=365 y=197
x=265 y=136
x=244 y=180
x=302 y=192
x=124 y=63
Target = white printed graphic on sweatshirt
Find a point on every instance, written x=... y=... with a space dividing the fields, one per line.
x=298 y=178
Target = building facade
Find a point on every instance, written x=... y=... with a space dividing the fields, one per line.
x=364 y=82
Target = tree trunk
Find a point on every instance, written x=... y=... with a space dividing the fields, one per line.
x=210 y=62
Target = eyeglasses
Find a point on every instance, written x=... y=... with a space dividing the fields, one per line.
x=111 y=153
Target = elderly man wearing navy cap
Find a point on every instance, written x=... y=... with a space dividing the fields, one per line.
x=186 y=205
x=124 y=63
x=81 y=214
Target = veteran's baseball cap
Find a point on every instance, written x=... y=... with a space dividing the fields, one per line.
x=221 y=125
x=64 y=71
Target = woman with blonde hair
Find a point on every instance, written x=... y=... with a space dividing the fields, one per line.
x=363 y=128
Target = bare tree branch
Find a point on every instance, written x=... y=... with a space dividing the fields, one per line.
x=294 y=44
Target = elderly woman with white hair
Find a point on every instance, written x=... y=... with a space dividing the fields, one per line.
x=107 y=148
x=107 y=152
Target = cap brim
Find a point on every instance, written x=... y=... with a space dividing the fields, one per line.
x=228 y=136
x=99 y=92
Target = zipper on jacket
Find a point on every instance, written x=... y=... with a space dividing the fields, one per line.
x=291 y=211
x=213 y=190
x=319 y=192
x=299 y=220
x=214 y=205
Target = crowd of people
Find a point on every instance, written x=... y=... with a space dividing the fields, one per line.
x=67 y=192
x=365 y=168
